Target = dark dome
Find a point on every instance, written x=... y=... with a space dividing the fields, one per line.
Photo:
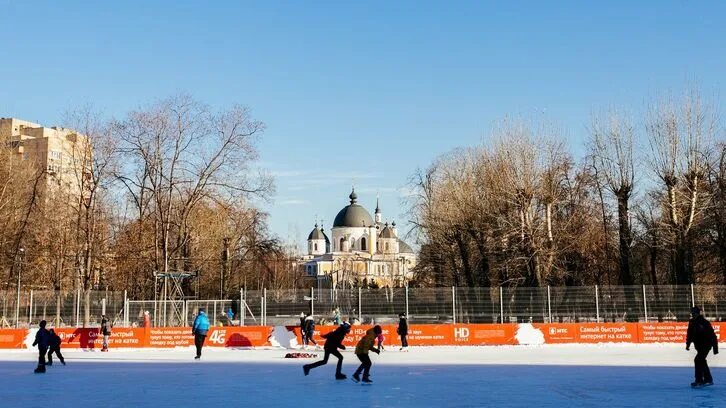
x=387 y=232
x=316 y=233
x=404 y=248
x=353 y=215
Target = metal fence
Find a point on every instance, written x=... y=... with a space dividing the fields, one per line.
x=422 y=305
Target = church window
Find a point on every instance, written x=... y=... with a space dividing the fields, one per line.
x=341 y=244
x=386 y=246
x=363 y=246
x=316 y=247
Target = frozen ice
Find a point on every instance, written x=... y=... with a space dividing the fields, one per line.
x=604 y=375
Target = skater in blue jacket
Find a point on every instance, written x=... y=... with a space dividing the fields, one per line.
x=200 y=329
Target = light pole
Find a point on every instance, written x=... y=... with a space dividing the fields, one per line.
x=21 y=253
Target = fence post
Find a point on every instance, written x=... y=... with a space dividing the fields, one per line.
x=312 y=301
x=78 y=307
x=264 y=314
x=693 y=297
x=360 y=305
x=103 y=307
x=214 y=321
x=407 y=316
x=453 y=302
x=549 y=303
x=501 y=304
x=645 y=305
x=597 y=304
x=241 y=308
x=30 y=309
x=126 y=309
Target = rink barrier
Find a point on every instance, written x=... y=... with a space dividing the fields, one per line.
x=418 y=335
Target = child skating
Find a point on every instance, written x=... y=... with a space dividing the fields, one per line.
x=365 y=345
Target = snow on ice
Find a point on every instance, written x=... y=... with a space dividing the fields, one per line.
x=605 y=375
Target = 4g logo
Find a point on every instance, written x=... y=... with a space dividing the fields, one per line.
x=218 y=336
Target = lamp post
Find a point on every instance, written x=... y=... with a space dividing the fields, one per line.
x=21 y=253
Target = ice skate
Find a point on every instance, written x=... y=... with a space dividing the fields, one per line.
x=340 y=376
x=367 y=380
x=306 y=370
x=696 y=384
x=39 y=370
x=356 y=377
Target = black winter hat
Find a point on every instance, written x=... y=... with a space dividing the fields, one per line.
x=695 y=311
x=377 y=330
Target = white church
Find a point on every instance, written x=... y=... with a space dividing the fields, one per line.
x=363 y=252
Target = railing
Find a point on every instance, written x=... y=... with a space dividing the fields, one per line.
x=422 y=305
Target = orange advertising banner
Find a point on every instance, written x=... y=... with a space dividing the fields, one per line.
x=12 y=338
x=418 y=335
x=555 y=333
x=249 y=336
x=90 y=338
x=484 y=334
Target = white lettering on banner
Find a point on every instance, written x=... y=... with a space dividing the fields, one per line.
x=218 y=336
x=461 y=332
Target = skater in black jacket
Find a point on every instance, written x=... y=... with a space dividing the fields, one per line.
x=402 y=330
x=309 y=330
x=42 y=340
x=333 y=342
x=54 y=347
x=701 y=334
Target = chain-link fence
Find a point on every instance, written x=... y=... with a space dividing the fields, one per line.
x=422 y=305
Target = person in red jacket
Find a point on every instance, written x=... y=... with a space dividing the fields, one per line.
x=701 y=334
x=333 y=342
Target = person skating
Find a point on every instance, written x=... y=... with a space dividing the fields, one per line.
x=105 y=331
x=701 y=334
x=42 y=340
x=54 y=345
x=309 y=330
x=365 y=345
x=402 y=331
x=333 y=342
x=200 y=329
x=302 y=329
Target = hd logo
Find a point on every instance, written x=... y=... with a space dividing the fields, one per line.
x=461 y=333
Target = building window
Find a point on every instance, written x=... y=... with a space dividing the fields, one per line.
x=55 y=155
x=386 y=246
x=363 y=244
x=341 y=244
x=316 y=247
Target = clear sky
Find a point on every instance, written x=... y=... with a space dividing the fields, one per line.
x=360 y=93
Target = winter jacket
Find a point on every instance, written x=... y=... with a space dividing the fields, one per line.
x=366 y=343
x=334 y=339
x=701 y=334
x=42 y=338
x=309 y=325
x=201 y=324
x=55 y=340
x=402 y=326
x=105 y=327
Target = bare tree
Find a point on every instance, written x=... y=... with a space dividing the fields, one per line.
x=679 y=131
x=611 y=146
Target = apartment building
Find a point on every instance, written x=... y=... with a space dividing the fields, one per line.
x=64 y=154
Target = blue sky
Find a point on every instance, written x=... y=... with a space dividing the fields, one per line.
x=360 y=93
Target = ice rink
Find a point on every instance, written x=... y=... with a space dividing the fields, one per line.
x=613 y=375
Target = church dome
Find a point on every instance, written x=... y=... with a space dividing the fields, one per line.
x=353 y=215
x=387 y=232
x=316 y=233
x=404 y=248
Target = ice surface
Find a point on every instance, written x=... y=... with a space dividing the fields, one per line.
x=612 y=375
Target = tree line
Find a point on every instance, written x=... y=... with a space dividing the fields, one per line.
x=169 y=187
x=644 y=204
